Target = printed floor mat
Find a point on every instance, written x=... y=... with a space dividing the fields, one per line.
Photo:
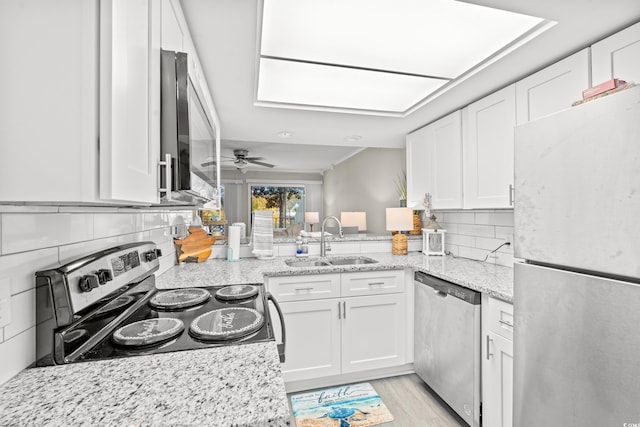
x=354 y=405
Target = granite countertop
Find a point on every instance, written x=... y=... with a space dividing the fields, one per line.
x=491 y=279
x=224 y=386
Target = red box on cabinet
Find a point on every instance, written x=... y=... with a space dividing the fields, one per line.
x=601 y=88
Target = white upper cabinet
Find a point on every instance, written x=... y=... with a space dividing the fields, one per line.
x=487 y=150
x=129 y=100
x=617 y=56
x=172 y=35
x=553 y=88
x=434 y=163
x=83 y=124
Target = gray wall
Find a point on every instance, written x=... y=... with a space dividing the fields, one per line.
x=365 y=182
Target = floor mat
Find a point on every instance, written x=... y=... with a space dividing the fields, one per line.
x=355 y=405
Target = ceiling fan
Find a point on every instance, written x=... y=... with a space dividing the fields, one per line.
x=240 y=160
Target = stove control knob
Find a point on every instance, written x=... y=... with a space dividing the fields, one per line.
x=104 y=276
x=150 y=256
x=88 y=282
x=158 y=252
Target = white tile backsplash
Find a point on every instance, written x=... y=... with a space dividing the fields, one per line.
x=35 y=238
x=474 y=234
x=27 y=232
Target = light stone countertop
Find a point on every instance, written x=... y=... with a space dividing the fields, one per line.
x=237 y=385
x=494 y=280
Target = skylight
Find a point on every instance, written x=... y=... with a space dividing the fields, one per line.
x=383 y=56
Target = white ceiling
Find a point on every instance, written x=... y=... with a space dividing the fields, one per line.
x=225 y=33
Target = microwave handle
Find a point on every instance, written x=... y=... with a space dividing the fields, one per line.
x=281 y=347
x=167 y=176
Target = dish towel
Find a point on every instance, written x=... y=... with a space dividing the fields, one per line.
x=263 y=234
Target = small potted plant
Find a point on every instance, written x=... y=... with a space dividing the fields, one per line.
x=401 y=185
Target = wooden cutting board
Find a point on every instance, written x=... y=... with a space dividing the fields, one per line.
x=196 y=246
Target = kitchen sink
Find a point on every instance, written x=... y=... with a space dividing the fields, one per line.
x=305 y=263
x=351 y=261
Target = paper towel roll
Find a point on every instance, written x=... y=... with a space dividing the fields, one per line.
x=243 y=229
x=233 y=242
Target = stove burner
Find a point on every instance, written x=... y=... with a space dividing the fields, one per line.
x=115 y=305
x=236 y=292
x=179 y=298
x=226 y=324
x=147 y=332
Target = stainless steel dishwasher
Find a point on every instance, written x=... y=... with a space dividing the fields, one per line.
x=447 y=343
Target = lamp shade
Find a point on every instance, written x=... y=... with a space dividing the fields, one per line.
x=354 y=219
x=399 y=219
x=312 y=217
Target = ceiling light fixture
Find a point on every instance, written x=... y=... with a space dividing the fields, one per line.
x=352 y=138
x=285 y=134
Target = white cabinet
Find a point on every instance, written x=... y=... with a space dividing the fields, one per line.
x=372 y=332
x=617 y=56
x=553 y=88
x=434 y=163
x=313 y=339
x=487 y=150
x=129 y=100
x=83 y=117
x=364 y=329
x=497 y=363
x=172 y=34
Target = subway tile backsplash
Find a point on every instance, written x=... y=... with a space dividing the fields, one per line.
x=475 y=234
x=33 y=238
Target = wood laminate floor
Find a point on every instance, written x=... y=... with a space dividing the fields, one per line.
x=411 y=402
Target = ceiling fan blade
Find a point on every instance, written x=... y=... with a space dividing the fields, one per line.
x=209 y=163
x=251 y=159
x=260 y=163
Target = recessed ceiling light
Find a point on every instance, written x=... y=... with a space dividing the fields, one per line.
x=285 y=134
x=352 y=138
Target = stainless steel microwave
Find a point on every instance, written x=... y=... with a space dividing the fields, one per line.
x=190 y=144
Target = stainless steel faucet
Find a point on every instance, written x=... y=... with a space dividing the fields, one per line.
x=323 y=249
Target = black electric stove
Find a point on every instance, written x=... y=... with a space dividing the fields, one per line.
x=105 y=305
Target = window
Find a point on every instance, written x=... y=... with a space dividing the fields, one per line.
x=287 y=203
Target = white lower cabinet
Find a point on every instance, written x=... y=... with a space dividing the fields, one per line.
x=497 y=363
x=372 y=332
x=330 y=336
x=313 y=339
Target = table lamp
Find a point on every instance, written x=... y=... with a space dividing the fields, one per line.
x=399 y=219
x=354 y=219
x=311 y=218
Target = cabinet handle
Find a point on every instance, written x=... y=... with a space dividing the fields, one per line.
x=512 y=191
x=167 y=176
x=303 y=289
x=489 y=354
x=344 y=309
x=507 y=324
x=376 y=284
x=339 y=311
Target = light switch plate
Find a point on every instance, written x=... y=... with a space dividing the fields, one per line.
x=5 y=302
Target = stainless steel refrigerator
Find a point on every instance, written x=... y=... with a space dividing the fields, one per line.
x=577 y=293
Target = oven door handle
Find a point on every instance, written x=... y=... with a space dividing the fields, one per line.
x=281 y=347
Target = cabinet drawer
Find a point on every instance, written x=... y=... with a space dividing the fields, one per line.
x=372 y=282
x=305 y=287
x=500 y=317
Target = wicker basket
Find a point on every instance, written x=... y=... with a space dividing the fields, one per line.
x=417 y=226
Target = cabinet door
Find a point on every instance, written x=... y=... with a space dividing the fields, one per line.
x=313 y=339
x=617 y=56
x=497 y=382
x=129 y=100
x=487 y=150
x=553 y=88
x=373 y=331
x=172 y=36
x=417 y=173
x=434 y=163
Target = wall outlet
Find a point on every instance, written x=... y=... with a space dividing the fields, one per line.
x=509 y=239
